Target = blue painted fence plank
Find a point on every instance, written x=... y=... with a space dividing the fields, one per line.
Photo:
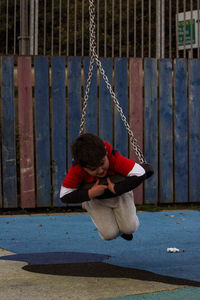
x=58 y=126
x=42 y=131
x=166 y=132
x=8 y=134
x=194 y=129
x=181 y=131
x=92 y=108
x=106 y=111
x=74 y=101
x=151 y=127
x=121 y=89
x=1 y=202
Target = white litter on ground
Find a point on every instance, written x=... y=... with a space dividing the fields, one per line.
x=172 y=250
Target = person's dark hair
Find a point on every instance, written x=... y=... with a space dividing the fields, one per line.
x=88 y=150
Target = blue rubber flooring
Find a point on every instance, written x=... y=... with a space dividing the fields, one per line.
x=72 y=238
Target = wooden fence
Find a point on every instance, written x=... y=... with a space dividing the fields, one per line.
x=40 y=116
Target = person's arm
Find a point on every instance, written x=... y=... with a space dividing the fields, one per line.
x=77 y=196
x=131 y=182
x=70 y=192
x=128 y=183
x=100 y=191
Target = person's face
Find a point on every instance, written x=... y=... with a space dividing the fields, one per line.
x=101 y=171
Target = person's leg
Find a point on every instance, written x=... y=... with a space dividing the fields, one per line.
x=103 y=217
x=125 y=214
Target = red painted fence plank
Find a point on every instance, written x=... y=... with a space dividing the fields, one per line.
x=25 y=111
x=136 y=112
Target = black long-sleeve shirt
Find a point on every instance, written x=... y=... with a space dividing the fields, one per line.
x=126 y=184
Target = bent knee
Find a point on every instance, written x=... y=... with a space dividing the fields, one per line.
x=109 y=235
x=130 y=227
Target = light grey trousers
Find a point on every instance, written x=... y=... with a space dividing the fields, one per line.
x=113 y=216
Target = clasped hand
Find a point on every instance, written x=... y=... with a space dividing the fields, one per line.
x=98 y=189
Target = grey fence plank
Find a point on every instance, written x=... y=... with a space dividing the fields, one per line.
x=194 y=129
x=121 y=88
x=106 y=111
x=42 y=131
x=58 y=126
x=151 y=127
x=1 y=202
x=74 y=101
x=180 y=131
x=9 y=178
x=92 y=108
x=166 y=133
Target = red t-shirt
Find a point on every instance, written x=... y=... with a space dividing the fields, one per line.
x=117 y=164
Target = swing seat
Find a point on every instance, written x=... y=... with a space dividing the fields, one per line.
x=116 y=178
x=107 y=193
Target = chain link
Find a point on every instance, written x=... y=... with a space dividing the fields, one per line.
x=94 y=57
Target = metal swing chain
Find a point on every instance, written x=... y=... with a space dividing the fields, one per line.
x=94 y=57
x=91 y=66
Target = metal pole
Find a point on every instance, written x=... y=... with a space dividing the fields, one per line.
x=45 y=32
x=32 y=4
x=191 y=28
x=24 y=32
x=158 y=29
x=120 y=28
x=170 y=29
x=60 y=27
x=15 y=13
x=162 y=28
x=198 y=31
x=75 y=26
x=36 y=28
x=184 y=10
x=127 y=29
x=52 y=26
x=113 y=27
x=7 y=27
x=82 y=28
x=142 y=30
x=67 y=27
x=105 y=28
x=177 y=11
x=98 y=13
x=149 y=50
x=135 y=29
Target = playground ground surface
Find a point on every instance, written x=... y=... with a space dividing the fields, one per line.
x=61 y=256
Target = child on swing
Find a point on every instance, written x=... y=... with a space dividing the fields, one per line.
x=110 y=205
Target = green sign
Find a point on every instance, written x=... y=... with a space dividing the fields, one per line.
x=188 y=33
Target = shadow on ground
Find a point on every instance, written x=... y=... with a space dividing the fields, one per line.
x=104 y=270
x=88 y=265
